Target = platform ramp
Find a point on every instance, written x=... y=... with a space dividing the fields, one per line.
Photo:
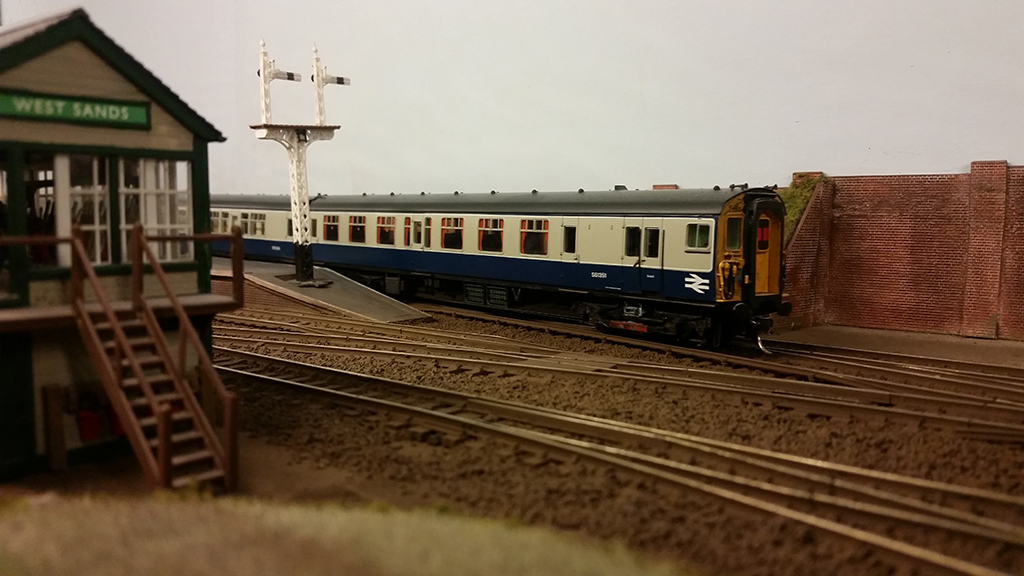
x=340 y=291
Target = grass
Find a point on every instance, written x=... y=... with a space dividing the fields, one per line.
x=192 y=535
x=796 y=197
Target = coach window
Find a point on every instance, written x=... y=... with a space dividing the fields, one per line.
x=245 y=223
x=632 y=241
x=451 y=233
x=569 y=240
x=357 y=229
x=331 y=224
x=490 y=234
x=257 y=224
x=652 y=238
x=408 y=225
x=534 y=237
x=698 y=237
x=386 y=230
x=426 y=233
x=733 y=233
x=158 y=194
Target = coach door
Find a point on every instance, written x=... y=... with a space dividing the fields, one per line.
x=651 y=255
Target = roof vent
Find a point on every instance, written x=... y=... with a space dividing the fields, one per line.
x=666 y=187
x=493 y=192
x=364 y=193
x=717 y=188
x=534 y=191
x=740 y=186
x=580 y=190
x=392 y=193
x=456 y=192
x=620 y=187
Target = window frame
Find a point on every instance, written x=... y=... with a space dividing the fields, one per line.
x=696 y=248
x=491 y=228
x=332 y=227
x=631 y=247
x=738 y=220
x=357 y=224
x=767 y=234
x=646 y=241
x=534 y=228
x=385 y=227
x=449 y=226
x=565 y=239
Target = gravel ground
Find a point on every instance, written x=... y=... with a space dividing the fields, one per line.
x=484 y=477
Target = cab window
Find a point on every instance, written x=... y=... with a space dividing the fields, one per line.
x=733 y=233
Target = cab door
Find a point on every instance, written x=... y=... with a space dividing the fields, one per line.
x=651 y=255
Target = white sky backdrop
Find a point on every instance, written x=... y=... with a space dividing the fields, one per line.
x=474 y=95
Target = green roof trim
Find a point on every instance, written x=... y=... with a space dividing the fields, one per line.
x=76 y=25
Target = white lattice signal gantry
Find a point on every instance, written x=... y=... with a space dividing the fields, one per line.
x=296 y=138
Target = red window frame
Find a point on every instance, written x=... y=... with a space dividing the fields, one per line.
x=491 y=225
x=528 y=227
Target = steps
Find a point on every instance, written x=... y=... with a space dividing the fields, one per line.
x=134 y=355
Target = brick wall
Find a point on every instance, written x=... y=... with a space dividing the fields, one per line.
x=928 y=253
x=1011 y=296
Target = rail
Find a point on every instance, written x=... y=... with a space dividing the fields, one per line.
x=225 y=450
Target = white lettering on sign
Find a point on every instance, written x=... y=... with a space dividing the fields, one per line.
x=598 y=274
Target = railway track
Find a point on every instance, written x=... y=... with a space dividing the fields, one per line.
x=897 y=373
x=858 y=504
x=974 y=416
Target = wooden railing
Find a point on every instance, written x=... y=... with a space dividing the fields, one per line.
x=157 y=468
x=225 y=450
x=110 y=372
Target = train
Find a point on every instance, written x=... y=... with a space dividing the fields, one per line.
x=697 y=265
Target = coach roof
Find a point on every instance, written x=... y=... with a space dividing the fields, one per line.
x=619 y=202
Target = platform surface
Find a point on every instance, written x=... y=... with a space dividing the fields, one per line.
x=1005 y=352
x=342 y=292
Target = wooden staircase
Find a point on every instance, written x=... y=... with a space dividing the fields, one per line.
x=147 y=383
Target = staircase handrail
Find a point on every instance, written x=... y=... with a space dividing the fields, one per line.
x=81 y=269
x=227 y=454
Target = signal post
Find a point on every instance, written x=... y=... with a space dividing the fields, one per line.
x=296 y=138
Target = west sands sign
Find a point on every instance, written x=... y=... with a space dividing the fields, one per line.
x=73 y=110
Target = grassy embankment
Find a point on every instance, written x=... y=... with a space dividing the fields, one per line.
x=796 y=197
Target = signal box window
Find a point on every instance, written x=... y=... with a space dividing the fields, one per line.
x=569 y=240
x=491 y=234
x=698 y=237
x=632 y=241
x=451 y=233
x=534 y=237
x=331 y=228
x=764 y=229
x=652 y=239
x=357 y=229
x=426 y=233
x=408 y=225
x=733 y=233
x=386 y=230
